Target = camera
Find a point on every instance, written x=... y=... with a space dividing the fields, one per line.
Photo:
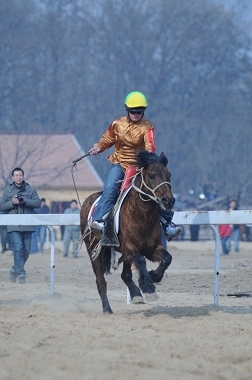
x=20 y=198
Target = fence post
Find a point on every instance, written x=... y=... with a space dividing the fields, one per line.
x=52 y=259
x=216 y=264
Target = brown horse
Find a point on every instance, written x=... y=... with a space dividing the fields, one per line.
x=139 y=230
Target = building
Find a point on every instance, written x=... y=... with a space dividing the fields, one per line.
x=47 y=164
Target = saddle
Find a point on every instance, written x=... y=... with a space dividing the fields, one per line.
x=110 y=237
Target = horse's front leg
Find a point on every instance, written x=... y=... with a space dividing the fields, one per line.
x=145 y=280
x=99 y=269
x=126 y=276
x=166 y=260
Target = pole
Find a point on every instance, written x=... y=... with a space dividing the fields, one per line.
x=52 y=260
x=216 y=264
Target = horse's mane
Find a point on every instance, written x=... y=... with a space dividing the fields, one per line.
x=145 y=159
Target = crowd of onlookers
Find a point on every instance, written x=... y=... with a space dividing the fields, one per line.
x=228 y=233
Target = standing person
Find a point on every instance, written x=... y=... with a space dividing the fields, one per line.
x=4 y=239
x=34 y=241
x=225 y=232
x=41 y=230
x=19 y=198
x=194 y=229
x=235 y=228
x=71 y=233
x=128 y=134
x=3 y=236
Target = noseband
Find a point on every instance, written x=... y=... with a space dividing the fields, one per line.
x=140 y=191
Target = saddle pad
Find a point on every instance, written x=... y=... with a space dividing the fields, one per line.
x=117 y=214
x=91 y=211
x=116 y=217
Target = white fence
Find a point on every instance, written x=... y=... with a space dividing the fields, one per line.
x=209 y=218
x=47 y=220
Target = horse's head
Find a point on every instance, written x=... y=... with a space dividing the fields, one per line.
x=156 y=178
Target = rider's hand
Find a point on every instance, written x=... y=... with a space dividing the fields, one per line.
x=94 y=150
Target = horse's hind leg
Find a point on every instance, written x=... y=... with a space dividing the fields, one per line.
x=126 y=276
x=158 y=273
x=145 y=280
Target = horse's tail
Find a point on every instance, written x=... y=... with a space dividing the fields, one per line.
x=107 y=259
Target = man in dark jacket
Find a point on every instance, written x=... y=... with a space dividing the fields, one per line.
x=19 y=198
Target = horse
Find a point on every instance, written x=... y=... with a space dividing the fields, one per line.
x=139 y=232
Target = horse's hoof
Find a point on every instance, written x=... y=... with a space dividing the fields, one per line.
x=150 y=297
x=137 y=299
x=107 y=311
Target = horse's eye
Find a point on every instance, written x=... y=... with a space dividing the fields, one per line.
x=151 y=175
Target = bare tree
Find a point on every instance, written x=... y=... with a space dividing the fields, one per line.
x=38 y=155
x=68 y=64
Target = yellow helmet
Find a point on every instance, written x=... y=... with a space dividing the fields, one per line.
x=136 y=100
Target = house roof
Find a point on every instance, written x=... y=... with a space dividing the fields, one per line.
x=46 y=161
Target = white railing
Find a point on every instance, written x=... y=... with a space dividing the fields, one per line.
x=213 y=219
x=47 y=220
x=208 y=218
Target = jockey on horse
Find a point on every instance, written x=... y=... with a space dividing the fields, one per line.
x=128 y=134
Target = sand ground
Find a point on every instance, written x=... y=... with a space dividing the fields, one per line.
x=179 y=336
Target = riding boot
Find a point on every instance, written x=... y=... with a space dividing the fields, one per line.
x=170 y=229
x=97 y=227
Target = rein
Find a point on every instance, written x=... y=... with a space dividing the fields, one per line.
x=74 y=166
x=140 y=191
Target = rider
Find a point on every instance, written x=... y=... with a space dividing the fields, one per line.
x=128 y=134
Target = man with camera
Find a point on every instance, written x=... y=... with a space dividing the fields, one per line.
x=19 y=198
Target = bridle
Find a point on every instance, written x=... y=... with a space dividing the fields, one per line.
x=140 y=191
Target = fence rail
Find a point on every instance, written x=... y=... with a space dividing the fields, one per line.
x=208 y=218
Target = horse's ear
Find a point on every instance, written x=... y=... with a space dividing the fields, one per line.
x=164 y=159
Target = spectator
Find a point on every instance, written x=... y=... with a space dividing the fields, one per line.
x=19 y=198
x=34 y=242
x=225 y=232
x=4 y=237
x=235 y=236
x=62 y=230
x=194 y=230
x=41 y=230
x=71 y=233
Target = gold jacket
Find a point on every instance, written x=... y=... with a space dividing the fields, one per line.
x=128 y=138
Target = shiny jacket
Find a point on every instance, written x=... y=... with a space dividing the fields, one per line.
x=128 y=138
x=32 y=201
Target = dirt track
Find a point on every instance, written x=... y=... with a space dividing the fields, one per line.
x=180 y=336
